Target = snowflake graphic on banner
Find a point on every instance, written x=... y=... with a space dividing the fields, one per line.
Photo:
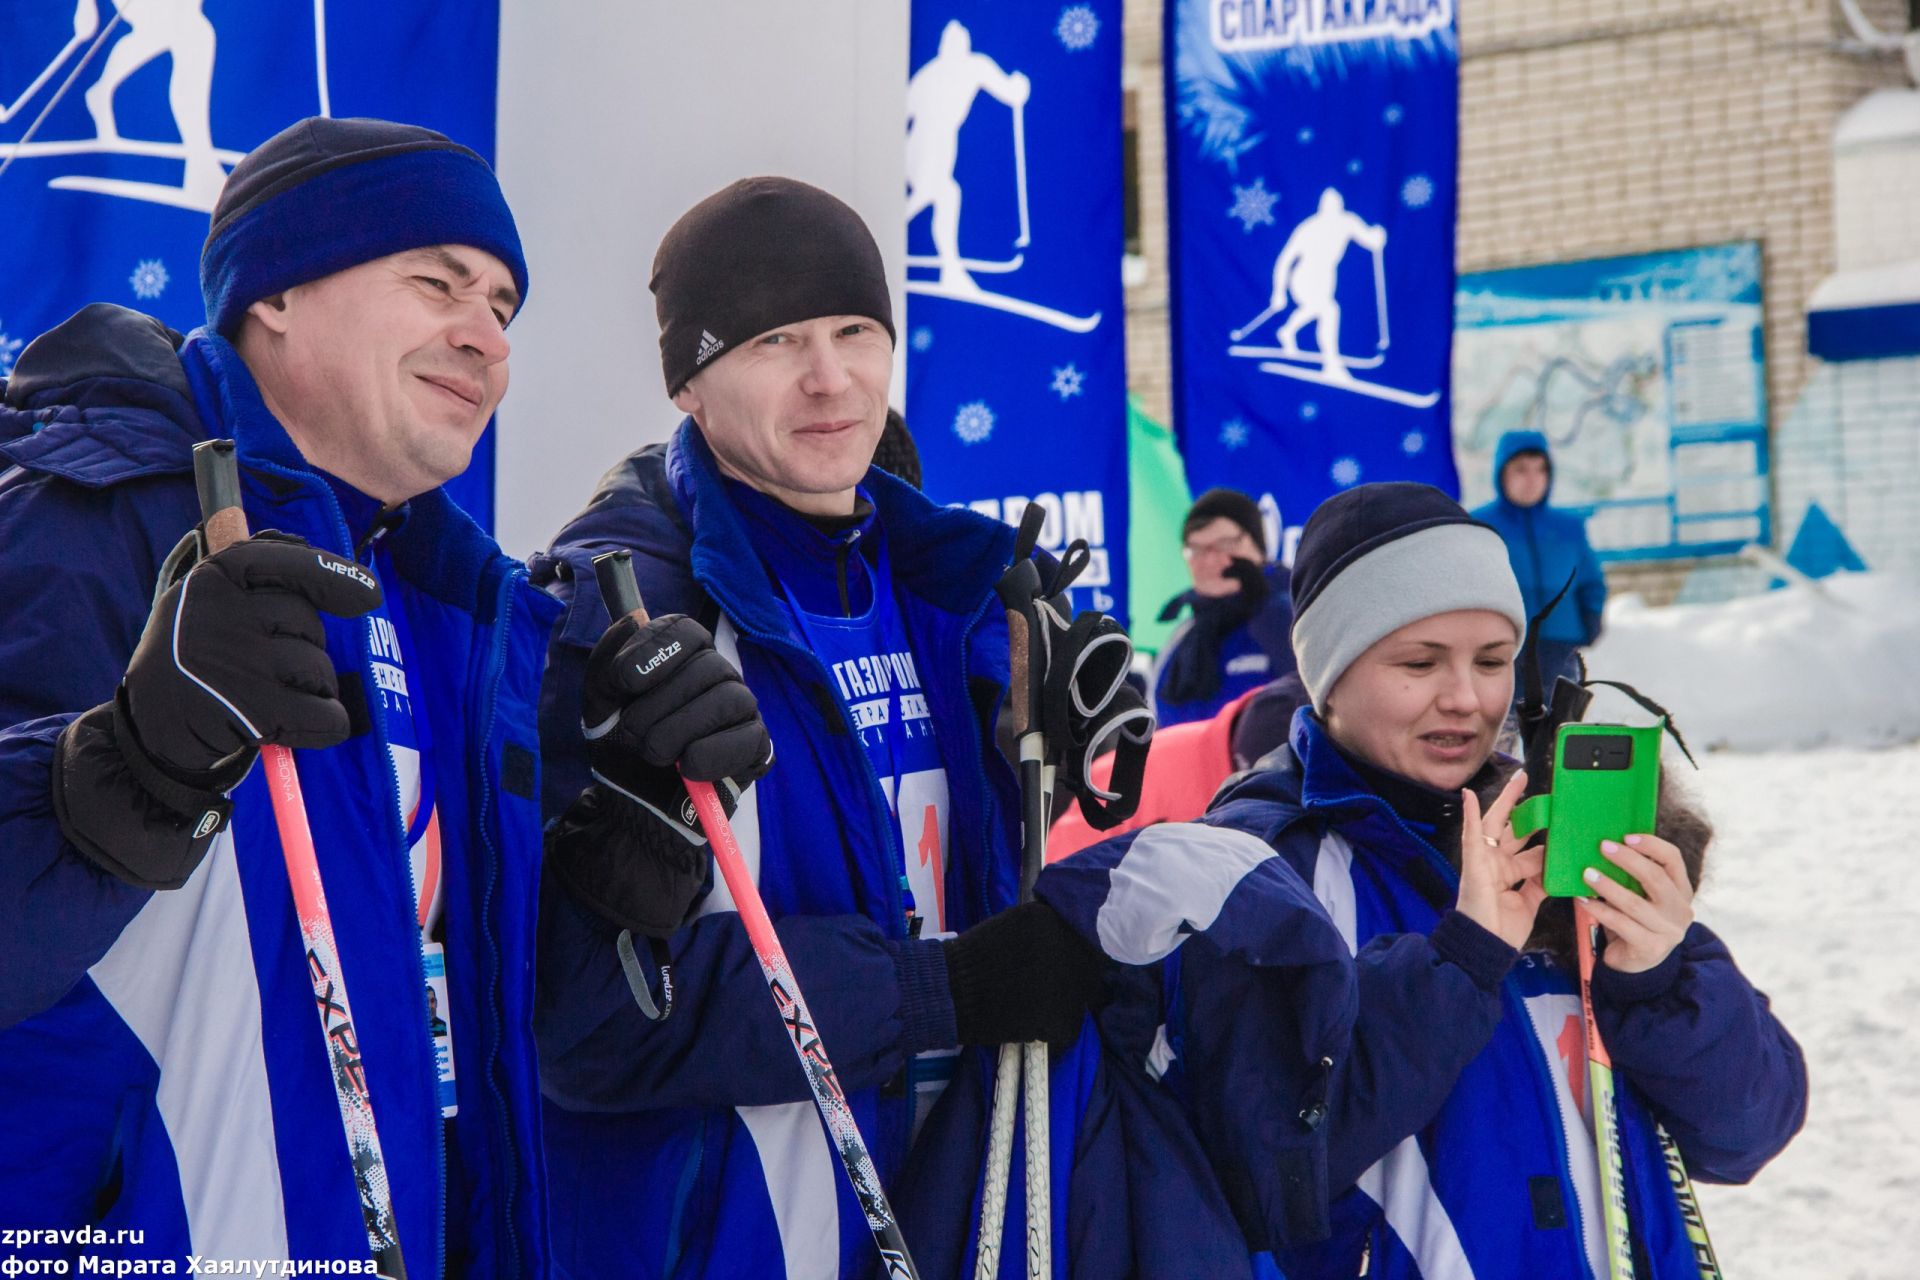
x=1078 y=27
x=149 y=278
x=1305 y=136
x=1417 y=192
x=1413 y=442
x=974 y=422
x=1067 y=382
x=1309 y=410
x=922 y=339
x=9 y=348
x=1345 y=472
x=1253 y=205
x=1234 y=434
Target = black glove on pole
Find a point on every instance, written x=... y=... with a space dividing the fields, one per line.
x=631 y=849
x=233 y=657
x=1024 y=975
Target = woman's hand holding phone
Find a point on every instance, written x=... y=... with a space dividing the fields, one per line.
x=1641 y=932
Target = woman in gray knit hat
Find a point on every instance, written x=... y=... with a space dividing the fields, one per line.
x=1458 y=1136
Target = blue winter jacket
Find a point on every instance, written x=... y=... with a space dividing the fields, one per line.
x=1546 y=547
x=690 y=1147
x=1258 y=651
x=162 y=1061
x=1453 y=1116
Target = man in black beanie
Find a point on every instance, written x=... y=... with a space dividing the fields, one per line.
x=1237 y=636
x=165 y=1011
x=863 y=620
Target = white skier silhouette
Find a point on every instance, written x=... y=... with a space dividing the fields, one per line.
x=1306 y=276
x=940 y=96
x=178 y=30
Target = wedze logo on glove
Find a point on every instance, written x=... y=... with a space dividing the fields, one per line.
x=659 y=656
x=345 y=568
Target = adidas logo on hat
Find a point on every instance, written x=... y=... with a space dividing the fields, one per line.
x=709 y=348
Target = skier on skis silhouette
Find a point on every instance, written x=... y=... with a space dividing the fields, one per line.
x=939 y=97
x=177 y=28
x=1307 y=272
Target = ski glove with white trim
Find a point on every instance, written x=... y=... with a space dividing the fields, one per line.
x=659 y=702
x=233 y=656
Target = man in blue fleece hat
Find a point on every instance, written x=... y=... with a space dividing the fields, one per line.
x=164 y=1065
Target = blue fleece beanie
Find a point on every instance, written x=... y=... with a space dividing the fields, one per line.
x=324 y=195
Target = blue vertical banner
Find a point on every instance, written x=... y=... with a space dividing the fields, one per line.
x=1312 y=154
x=1016 y=341
x=119 y=123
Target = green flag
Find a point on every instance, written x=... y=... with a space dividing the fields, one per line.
x=1158 y=499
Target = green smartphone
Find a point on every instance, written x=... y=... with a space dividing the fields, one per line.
x=1606 y=785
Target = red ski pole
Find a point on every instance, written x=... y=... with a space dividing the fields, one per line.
x=217 y=478
x=620 y=590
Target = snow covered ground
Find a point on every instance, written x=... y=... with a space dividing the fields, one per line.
x=1811 y=880
x=1808 y=665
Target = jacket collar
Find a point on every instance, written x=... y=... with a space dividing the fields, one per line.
x=949 y=557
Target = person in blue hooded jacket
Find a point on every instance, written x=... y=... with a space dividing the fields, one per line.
x=168 y=1094
x=1549 y=550
x=883 y=831
x=1459 y=1136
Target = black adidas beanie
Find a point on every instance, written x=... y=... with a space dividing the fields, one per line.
x=1231 y=504
x=1376 y=557
x=762 y=253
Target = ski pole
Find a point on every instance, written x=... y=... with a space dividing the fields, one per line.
x=1020 y=170
x=86 y=21
x=1690 y=1215
x=1606 y=1118
x=1023 y=1068
x=620 y=590
x=1380 y=294
x=217 y=478
x=1254 y=323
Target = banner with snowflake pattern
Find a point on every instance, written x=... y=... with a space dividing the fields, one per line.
x=1312 y=154
x=1015 y=336
x=118 y=126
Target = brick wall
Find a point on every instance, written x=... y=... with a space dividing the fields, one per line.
x=1610 y=127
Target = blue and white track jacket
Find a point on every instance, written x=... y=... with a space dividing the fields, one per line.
x=1448 y=1135
x=162 y=1067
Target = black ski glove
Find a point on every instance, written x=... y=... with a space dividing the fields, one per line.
x=1023 y=975
x=631 y=848
x=233 y=656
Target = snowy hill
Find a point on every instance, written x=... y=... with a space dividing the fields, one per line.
x=1812 y=664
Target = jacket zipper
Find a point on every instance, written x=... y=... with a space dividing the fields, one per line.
x=1541 y=1068
x=381 y=742
x=490 y=683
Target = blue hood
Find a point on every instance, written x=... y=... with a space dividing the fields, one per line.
x=1520 y=442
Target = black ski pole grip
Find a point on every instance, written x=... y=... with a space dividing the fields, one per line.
x=618 y=587
x=216 y=478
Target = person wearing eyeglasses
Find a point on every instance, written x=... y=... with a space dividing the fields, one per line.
x=1238 y=633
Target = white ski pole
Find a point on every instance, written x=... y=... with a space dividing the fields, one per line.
x=1020 y=170
x=1380 y=293
x=86 y=21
